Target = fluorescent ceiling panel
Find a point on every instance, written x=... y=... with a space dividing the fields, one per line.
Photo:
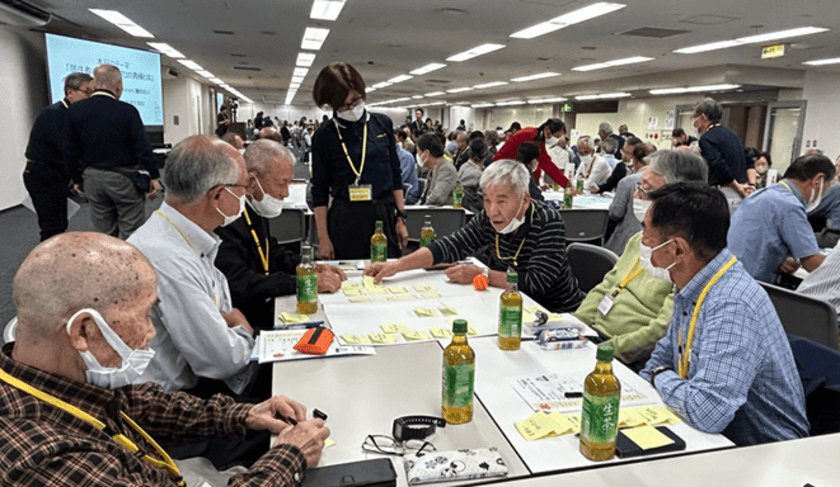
x=205 y=73
x=574 y=17
x=547 y=100
x=509 y=103
x=613 y=63
x=475 y=52
x=602 y=96
x=122 y=22
x=534 y=77
x=435 y=93
x=313 y=38
x=459 y=90
x=383 y=84
x=483 y=105
x=300 y=71
x=427 y=69
x=400 y=78
x=823 y=62
x=166 y=49
x=326 y=9
x=490 y=85
x=693 y=89
x=191 y=64
x=417 y=97
x=760 y=38
x=305 y=59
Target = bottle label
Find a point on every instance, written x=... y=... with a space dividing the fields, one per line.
x=426 y=240
x=378 y=252
x=599 y=420
x=567 y=201
x=510 y=321
x=307 y=289
x=457 y=196
x=580 y=185
x=458 y=383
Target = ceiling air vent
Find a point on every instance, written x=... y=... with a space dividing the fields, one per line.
x=709 y=19
x=223 y=32
x=653 y=32
x=247 y=68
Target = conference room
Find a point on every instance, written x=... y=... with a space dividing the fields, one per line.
x=469 y=69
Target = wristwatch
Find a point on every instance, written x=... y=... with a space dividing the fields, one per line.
x=656 y=371
x=401 y=214
x=415 y=427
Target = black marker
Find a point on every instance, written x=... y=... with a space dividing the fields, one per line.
x=573 y=395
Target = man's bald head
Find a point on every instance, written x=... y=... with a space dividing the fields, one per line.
x=72 y=271
x=196 y=165
x=264 y=156
x=108 y=77
x=270 y=134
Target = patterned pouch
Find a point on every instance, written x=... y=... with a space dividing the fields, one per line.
x=441 y=466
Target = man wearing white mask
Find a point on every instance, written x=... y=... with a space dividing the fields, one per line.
x=203 y=343
x=586 y=154
x=725 y=364
x=257 y=268
x=69 y=374
x=443 y=177
x=772 y=224
x=602 y=166
x=524 y=235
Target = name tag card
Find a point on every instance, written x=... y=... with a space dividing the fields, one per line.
x=360 y=192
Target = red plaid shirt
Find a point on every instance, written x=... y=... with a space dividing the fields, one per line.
x=42 y=445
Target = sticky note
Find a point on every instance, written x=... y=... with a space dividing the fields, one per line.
x=404 y=297
x=351 y=285
x=656 y=415
x=360 y=299
x=544 y=425
x=377 y=290
x=397 y=289
x=425 y=312
x=383 y=338
x=393 y=327
x=440 y=332
x=413 y=335
x=368 y=281
x=531 y=309
x=431 y=294
x=471 y=330
x=328 y=443
x=448 y=311
x=289 y=318
x=647 y=437
x=355 y=339
x=421 y=288
x=575 y=420
x=630 y=418
x=563 y=424
x=353 y=291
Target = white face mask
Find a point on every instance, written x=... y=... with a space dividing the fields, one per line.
x=585 y=160
x=815 y=199
x=134 y=362
x=269 y=207
x=640 y=208
x=514 y=224
x=761 y=169
x=420 y=161
x=551 y=141
x=354 y=114
x=233 y=218
x=657 y=272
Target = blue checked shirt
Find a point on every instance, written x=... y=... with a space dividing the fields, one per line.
x=742 y=379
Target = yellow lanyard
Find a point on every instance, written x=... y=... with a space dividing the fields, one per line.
x=166 y=463
x=346 y=153
x=102 y=93
x=685 y=353
x=499 y=255
x=786 y=185
x=184 y=236
x=64 y=102
x=263 y=255
x=629 y=278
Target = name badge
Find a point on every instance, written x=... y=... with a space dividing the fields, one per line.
x=607 y=303
x=360 y=192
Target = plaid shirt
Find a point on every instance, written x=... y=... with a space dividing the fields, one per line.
x=41 y=445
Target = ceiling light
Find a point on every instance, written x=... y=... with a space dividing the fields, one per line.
x=122 y=22
x=770 y=36
x=602 y=96
x=313 y=38
x=534 y=77
x=305 y=59
x=190 y=64
x=300 y=71
x=205 y=73
x=435 y=93
x=693 y=89
x=713 y=46
x=483 y=105
x=417 y=97
x=383 y=84
x=326 y=9
x=574 y=17
x=823 y=62
x=427 y=69
x=490 y=85
x=475 y=52
x=217 y=81
x=400 y=78
x=165 y=49
x=297 y=79
x=294 y=86
x=509 y=103
x=434 y=103
x=459 y=90
x=616 y=62
x=547 y=100
x=370 y=90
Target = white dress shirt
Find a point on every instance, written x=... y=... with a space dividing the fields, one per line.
x=602 y=168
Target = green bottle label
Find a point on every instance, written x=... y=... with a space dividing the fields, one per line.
x=458 y=381
x=580 y=185
x=567 y=201
x=307 y=289
x=510 y=321
x=378 y=252
x=424 y=241
x=457 y=195
x=599 y=420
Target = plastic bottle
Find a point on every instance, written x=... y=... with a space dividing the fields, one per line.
x=458 y=377
x=307 y=283
x=427 y=233
x=568 y=195
x=510 y=315
x=457 y=196
x=378 y=244
x=601 y=401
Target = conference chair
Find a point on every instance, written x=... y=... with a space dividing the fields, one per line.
x=302 y=171
x=445 y=221
x=289 y=227
x=586 y=225
x=590 y=263
x=819 y=369
x=421 y=184
x=804 y=316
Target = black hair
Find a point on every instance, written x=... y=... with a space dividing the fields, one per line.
x=478 y=149
x=678 y=132
x=527 y=152
x=806 y=167
x=430 y=142
x=420 y=110
x=476 y=135
x=514 y=126
x=400 y=134
x=634 y=141
x=554 y=125
x=694 y=211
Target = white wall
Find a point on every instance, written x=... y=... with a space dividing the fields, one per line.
x=822 y=122
x=182 y=98
x=23 y=82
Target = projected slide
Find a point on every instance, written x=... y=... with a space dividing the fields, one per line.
x=140 y=71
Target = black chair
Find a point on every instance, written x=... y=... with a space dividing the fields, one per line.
x=445 y=221
x=804 y=316
x=585 y=225
x=590 y=263
x=819 y=369
x=289 y=227
x=302 y=171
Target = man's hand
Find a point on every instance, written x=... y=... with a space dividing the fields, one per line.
x=80 y=188
x=462 y=273
x=236 y=318
x=593 y=190
x=266 y=415
x=789 y=266
x=326 y=249
x=154 y=189
x=748 y=188
x=380 y=270
x=328 y=281
x=308 y=436
x=402 y=233
x=335 y=269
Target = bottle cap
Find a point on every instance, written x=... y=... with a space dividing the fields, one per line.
x=428 y=217
x=460 y=327
x=604 y=354
x=512 y=277
x=378 y=223
x=306 y=250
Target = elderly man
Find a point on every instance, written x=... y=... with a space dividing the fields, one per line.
x=630 y=308
x=270 y=134
x=773 y=223
x=109 y=156
x=621 y=168
x=78 y=348
x=444 y=176
x=45 y=176
x=622 y=204
x=603 y=165
x=605 y=131
x=528 y=236
x=199 y=334
x=679 y=138
x=408 y=169
x=586 y=156
x=625 y=132
x=463 y=143
x=257 y=268
x=234 y=140
x=725 y=364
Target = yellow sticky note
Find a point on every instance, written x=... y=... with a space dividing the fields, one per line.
x=563 y=425
x=421 y=288
x=536 y=427
x=383 y=338
x=289 y=318
x=404 y=297
x=440 y=332
x=656 y=415
x=431 y=294
x=353 y=291
x=328 y=443
x=351 y=285
x=630 y=418
x=355 y=339
x=377 y=290
x=425 y=312
x=397 y=289
x=575 y=420
x=360 y=299
x=448 y=311
x=368 y=281
x=647 y=437
x=471 y=330
x=531 y=309
x=393 y=327
x=413 y=335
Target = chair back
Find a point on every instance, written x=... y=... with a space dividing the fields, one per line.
x=289 y=227
x=421 y=185
x=585 y=225
x=445 y=221
x=819 y=369
x=804 y=316
x=589 y=263
x=302 y=171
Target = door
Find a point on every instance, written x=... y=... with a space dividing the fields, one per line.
x=783 y=132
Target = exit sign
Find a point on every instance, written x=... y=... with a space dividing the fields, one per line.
x=565 y=107
x=772 y=52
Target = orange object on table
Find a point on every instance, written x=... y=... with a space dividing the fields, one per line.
x=480 y=282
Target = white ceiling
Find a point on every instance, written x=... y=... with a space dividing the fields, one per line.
x=383 y=39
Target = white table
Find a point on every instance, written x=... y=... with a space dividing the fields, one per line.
x=584 y=201
x=493 y=370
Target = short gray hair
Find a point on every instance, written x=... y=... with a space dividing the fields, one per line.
x=260 y=156
x=609 y=145
x=107 y=76
x=74 y=81
x=710 y=108
x=605 y=127
x=508 y=172
x=585 y=139
x=675 y=166
x=195 y=166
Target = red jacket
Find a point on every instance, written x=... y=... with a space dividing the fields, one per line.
x=528 y=134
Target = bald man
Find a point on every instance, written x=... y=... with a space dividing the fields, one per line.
x=80 y=347
x=109 y=157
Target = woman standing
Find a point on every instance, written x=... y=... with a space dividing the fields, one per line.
x=547 y=134
x=354 y=161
